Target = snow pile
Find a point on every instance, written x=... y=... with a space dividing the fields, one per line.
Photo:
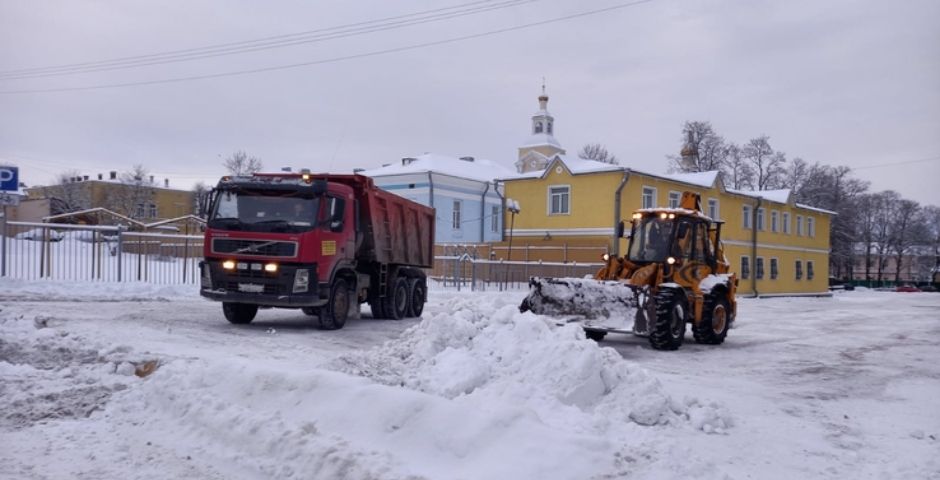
x=51 y=290
x=523 y=359
x=49 y=374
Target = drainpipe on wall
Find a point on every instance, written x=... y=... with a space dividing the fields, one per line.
x=626 y=175
x=502 y=210
x=430 y=190
x=754 y=248
x=483 y=213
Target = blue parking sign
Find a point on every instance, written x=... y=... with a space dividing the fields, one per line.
x=9 y=179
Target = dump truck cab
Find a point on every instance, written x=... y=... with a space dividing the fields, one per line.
x=275 y=240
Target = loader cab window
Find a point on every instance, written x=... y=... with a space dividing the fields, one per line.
x=702 y=246
x=651 y=239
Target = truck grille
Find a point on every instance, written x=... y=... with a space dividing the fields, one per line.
x=266 y=248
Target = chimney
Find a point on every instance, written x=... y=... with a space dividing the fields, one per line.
x=166 y=182
x=406 y=160
x=100 y=176
x=467 y=159
x=113 y=175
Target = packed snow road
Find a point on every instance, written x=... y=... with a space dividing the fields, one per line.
x=842 y=387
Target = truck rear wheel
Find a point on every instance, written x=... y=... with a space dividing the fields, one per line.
x=417 y=293
x=668 y=329
x=239 y=313
x=333 y=315
x=396 y=302
x=716 y=318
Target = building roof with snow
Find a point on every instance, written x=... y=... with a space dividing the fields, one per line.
x=471 y=168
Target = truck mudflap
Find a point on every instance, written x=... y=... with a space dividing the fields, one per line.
x=598 y=305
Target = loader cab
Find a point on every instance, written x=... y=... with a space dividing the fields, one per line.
x=657 y=237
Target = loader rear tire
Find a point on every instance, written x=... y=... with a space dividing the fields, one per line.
x=239 y=313
x=377 y=312
x=668 y=329
x=716 y=318
x=333 y=315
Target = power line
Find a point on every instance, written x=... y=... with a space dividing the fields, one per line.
x=337 y=59
x=905 y=162
x=281 y=41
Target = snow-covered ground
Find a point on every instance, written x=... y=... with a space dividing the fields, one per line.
x=842 y=387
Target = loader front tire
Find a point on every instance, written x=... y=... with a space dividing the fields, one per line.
x=716 y=318
x=668 y=329
x=596 y=335
x=239 y=313
x=333 y=315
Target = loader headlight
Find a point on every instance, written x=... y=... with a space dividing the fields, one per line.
x=671 y=260
x=270 y=267
x=301 y=280
x=228 y=264
x=606 y=257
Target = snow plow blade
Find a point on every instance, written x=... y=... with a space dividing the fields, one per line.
x=582 y=297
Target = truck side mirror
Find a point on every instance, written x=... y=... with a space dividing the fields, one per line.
x=204 y=199
x=618 y=231
x=336 y=226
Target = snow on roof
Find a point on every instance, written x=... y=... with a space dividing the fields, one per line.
x=702 y=179
x=538 y=139
x=779 y=196
x=479 y=169
x=574 y=164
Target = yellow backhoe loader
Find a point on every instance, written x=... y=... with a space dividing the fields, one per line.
x=675 y=272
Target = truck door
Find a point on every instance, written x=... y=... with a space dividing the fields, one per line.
x=337 y=238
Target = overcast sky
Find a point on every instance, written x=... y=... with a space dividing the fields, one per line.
x=840 y=82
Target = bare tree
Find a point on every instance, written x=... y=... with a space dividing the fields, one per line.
x=930 y=217
x=904 y=233
x=598 y=153
x=135 y=194
x=703 y=150
x=736 y=171
x=68 y=194
x=199 y=196
x=240 y=163
x=766 y=164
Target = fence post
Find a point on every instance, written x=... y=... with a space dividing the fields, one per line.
x=3 y=243
x=473 y=276
x=120 y=252
x=525 y=268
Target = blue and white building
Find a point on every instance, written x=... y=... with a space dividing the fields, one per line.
x=463 y=191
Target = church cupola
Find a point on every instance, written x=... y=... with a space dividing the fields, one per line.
x=541 y=147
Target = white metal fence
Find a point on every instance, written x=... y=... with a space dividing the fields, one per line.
x=33 y=251
x=66 y=252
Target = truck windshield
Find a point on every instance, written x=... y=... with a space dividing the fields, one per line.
x=650 y=241
x=264 y=211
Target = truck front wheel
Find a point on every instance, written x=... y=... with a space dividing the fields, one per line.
x=333 y=314
x=239 y=313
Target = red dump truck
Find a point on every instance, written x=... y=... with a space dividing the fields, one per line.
x=321 y=243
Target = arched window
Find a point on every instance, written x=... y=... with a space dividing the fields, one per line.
x=538 y=127
x=549 y=128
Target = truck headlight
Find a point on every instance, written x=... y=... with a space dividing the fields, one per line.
x=301 y=280
x=206 y=277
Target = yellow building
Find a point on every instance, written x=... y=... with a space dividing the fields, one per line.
x=143 y=199
x=776 y=246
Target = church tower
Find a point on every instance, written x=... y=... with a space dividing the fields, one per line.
x=541 y=147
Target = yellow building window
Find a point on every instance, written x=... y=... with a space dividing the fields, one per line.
x=649 y=197
x=746 y=216
x=745 y=268
x=786 y=223
x=773 y=269
x=810 y=230
x=559 y=200
x=799 y=270
x=809 y=270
